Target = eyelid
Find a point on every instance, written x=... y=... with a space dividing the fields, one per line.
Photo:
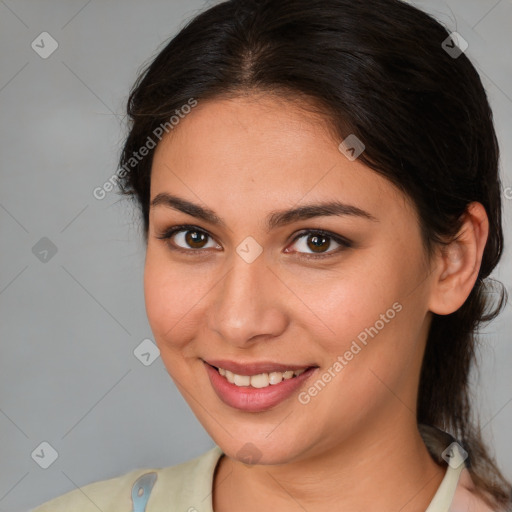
x=343 y=242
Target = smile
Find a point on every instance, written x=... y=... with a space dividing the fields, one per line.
x=260 y=391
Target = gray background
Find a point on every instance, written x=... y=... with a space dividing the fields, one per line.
x=69 y=325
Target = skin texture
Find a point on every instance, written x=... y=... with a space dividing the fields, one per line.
x=354 y=446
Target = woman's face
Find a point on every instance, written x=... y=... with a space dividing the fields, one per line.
x=247 y=288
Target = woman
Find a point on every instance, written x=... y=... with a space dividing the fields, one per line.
x=318 y=184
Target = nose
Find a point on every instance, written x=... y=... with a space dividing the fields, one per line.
x=247 y=304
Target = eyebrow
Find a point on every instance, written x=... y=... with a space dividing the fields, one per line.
x=276 y=218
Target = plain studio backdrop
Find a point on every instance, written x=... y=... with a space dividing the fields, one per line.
x=74 y=396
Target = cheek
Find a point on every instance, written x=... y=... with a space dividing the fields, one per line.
x=371 y=313
x=342 y=303
x=172 y=300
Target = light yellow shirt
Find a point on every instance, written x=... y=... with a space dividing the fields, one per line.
x=185 y=487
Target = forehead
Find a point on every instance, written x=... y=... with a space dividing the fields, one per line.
x=262 y=150
x=255 y=129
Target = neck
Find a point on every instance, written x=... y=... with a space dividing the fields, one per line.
x=391 y=472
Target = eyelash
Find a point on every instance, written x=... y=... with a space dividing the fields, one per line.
x=345 y=244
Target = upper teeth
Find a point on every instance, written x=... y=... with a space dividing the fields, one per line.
x=262 y=380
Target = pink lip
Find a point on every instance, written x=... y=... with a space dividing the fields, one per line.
x=254 y=368
x=251 y=399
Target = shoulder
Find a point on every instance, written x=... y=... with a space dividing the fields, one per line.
x=157 y=486
x=100 y=495
x=466 y=499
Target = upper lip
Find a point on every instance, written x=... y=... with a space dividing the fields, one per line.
x=255 y=368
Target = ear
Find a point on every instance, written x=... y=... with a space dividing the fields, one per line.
x=457 y=265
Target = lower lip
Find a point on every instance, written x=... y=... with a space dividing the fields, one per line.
x=247 y=398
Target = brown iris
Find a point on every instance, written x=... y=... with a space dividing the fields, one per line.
x=318 y=241
x=195 y=237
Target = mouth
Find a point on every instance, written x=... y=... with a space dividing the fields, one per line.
x=254 y=390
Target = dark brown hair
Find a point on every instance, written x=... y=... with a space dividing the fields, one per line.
x=376 y=69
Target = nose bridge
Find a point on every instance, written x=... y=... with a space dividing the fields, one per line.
x=244 y=304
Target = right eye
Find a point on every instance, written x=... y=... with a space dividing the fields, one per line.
x=187 y=239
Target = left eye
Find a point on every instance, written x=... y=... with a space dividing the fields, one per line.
x=317 y=241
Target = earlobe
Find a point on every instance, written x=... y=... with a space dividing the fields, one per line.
x=458 y=263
